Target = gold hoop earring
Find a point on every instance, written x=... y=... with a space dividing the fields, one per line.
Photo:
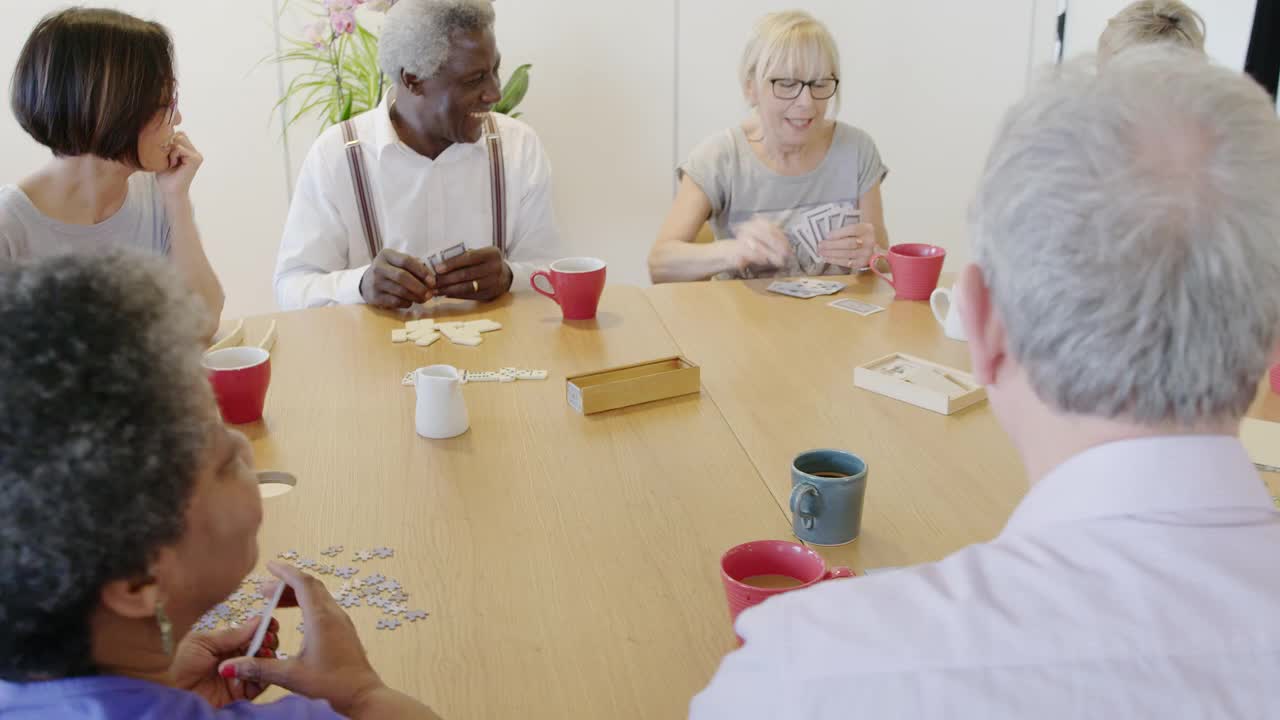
x=166 y=629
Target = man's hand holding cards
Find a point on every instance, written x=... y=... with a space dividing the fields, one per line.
x=395 y=280
x=480 y=274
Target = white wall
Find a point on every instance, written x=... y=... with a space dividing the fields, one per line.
x=225 y=100
x=620 y=92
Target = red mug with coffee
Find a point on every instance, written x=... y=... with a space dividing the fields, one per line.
x=240 y=376
x=915 y=268
x=576 y=285
x=755 y=571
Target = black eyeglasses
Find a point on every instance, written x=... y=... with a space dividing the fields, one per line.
x=790 y=88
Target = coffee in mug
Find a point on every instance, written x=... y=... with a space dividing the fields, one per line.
x=772 y=582
x=827 y=489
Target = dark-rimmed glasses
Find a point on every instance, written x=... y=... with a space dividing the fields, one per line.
x=790 y=88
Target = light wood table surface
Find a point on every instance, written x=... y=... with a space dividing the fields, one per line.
x=569 y=563
x=781 y=371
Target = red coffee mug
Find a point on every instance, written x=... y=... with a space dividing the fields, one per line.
x=770 y=557
x=240 y=376
x=1275 y=379
x=576 y=285
x=915 y=268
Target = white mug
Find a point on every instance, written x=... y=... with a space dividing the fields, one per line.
x=441 y=411
x=949 y=316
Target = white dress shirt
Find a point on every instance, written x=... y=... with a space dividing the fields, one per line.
x=423 y=206
x=1139 y=579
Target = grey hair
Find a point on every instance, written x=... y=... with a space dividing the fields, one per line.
x=416 y=36
x=1147 y=22
x=1127 y=225
x=104 y=414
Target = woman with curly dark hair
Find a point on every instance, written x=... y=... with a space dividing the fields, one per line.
x=128 y=510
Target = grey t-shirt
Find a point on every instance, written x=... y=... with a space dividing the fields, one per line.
x=741 y=187
x=141 y=222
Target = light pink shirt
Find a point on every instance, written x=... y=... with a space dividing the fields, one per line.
x=1140 y=579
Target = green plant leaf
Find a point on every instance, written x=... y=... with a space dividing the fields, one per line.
x=514 y=91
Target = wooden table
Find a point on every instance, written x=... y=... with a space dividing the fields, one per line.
x=781 y=371
x=569 y=563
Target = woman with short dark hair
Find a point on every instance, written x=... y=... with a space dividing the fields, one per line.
x=128 y=510
x=98 y=88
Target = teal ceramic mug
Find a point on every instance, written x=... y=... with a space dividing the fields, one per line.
x=827 y=490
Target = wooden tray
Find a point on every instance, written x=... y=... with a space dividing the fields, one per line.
x=920 y=382
x=632 y=384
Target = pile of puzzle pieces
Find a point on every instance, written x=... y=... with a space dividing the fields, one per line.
x=425 y=332
x=375 y=591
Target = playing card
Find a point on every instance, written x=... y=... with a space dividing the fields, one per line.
x=822 y=287
x=832 y=221
x=448 y=253
x=798 y=245
x=856 y=306
x=793 y=289
x=802 y=241
x=811 y=219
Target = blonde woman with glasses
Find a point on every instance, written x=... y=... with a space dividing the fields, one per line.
x=761 y=183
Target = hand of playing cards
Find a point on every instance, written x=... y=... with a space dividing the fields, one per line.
x=395 y=280
x=806 y=288
x=479 y=274
x=812 y=227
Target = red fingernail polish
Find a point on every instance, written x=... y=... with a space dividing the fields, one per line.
x=269 y=638
x=228 y=671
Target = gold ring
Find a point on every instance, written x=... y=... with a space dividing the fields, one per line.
x=475 y=286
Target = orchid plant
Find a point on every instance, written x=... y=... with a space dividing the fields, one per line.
x=341 y=78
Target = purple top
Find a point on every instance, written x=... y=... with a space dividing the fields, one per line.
x=110 y=697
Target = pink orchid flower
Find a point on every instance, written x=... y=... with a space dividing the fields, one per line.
x=317 y=33
x=343 y=21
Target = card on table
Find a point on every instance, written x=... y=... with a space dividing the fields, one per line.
x=806 y=288
x=823 y=287
x=856 y=306
x=793 y=289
